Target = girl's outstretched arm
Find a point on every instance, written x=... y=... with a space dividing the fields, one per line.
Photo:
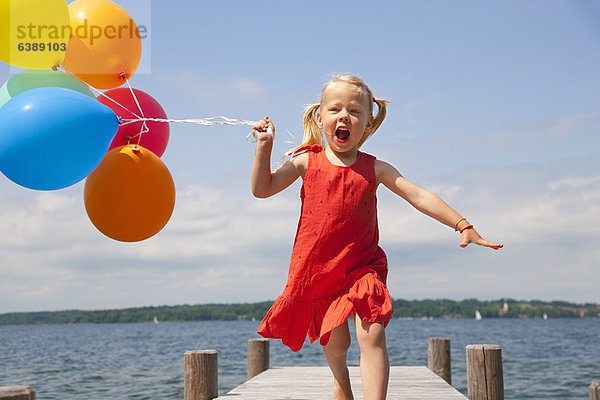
x=265 y=183
x=429 y=204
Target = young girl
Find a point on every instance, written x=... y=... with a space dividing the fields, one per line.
x=337 y=267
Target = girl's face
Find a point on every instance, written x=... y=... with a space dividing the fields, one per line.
x=344 y=116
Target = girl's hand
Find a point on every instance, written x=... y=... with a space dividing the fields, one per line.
x=471 y=236
x=259 y=130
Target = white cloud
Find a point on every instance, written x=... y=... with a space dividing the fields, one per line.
x=548 y=222
x=216 y=247
x=224 y=247
x=574 y=182
x=527 y=140
x=211 y=88
x=569 y=124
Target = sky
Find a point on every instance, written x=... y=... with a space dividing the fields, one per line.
x=494 y=106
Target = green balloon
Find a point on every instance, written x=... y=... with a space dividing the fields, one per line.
x=32 y=79
x=4 y=95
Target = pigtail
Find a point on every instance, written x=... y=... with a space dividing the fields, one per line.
x=377 y=121
x=312 y=132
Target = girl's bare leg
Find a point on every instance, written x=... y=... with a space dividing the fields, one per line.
x=374 y=361
x=335 y=352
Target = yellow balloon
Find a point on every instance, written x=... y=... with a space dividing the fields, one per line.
x=33 y=33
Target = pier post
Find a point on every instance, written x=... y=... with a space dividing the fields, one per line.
x=484 y=372
x=438 y=357
x=258 y=356
x=17 y=393
x=201 y=375
x=595 y=390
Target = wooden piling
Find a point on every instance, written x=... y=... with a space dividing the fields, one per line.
x=258 y=356
x=484 y=372
x=17 y=393
x=438 y=357
x=201 y=375
x=595 y=390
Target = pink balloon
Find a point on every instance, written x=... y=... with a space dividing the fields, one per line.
x=156 y=138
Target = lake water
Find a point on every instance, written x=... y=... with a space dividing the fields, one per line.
x=543 y=359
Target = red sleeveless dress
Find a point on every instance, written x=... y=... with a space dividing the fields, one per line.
x=337 y=266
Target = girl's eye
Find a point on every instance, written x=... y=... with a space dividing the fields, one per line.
x=355 y=111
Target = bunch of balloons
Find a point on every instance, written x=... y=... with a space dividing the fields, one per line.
x=55 y=133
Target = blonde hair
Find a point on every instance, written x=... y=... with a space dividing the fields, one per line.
x=312 y=132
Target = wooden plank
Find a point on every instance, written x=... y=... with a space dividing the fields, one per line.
x=17 y=393
x=316 y=383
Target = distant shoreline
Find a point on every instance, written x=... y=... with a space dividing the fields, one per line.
x=403 y=309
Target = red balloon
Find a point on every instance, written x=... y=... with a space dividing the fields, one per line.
x=156 y=138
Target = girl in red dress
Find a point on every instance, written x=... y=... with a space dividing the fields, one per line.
x=337 y=268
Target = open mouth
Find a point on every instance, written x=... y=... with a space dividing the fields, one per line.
x=342 y=134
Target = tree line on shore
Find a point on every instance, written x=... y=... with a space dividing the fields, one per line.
x=441 y=308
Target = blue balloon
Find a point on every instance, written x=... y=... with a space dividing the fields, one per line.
x=51 y=138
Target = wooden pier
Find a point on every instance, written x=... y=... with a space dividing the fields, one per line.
x=484 y=377
x=316 y=383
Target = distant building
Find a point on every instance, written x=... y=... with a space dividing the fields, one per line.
x=504 y=309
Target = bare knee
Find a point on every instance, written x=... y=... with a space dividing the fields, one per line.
x=339 y=341
x=337 y=346
x=370 y=334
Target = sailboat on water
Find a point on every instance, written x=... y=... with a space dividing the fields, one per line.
x=478 y=316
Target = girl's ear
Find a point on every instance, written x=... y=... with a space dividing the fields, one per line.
x=319 y=119
x=369 y=125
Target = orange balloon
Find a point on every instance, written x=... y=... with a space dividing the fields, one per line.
x=130 y=196
x=105 y=44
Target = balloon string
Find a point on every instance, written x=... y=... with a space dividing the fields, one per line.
x=217 y=120
x=144 y=127
x=221 y=120
x=98 y=92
